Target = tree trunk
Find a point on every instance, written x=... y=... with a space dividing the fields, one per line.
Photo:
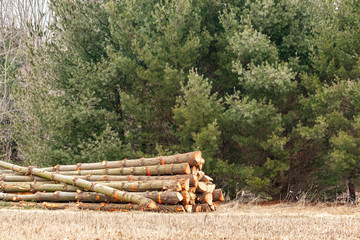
x=192 y=158
x=169 y=169
x=171 y=198
x=103 y=178
x=164 y=197
x=14 y=187
x=145 y=203
x=111 y=207
x=125 y=186
x=19 y=178
x=352 y=192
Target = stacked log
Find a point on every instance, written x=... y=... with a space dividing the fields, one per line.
x=169 y=183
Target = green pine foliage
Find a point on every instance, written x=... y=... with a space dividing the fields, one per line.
x=195 y=116
x=337 y=40
x=268 y=90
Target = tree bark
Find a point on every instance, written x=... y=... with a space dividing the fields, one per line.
x=144 y=203
x=103 y=178
x=352 y=191
x=218 y=195
x=171 y=198
x=204 y=207
x=216 y=205
x=169 y=169
x=205 y=198
x=111 y=207
x=125 y=186
x=192 y=158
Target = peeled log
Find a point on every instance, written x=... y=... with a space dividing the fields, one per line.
x=111 y=207
x=145 y=203
x=103 y=178
x=159 y=197
x=55 y=197
x=19 y=178
x=218 y=195
x=138 y=186
x=192 y=158
x=169 y=169
x=3 y=171
x=33 y=187
x=126 y=207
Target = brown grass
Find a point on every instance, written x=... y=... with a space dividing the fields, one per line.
x=231 y=221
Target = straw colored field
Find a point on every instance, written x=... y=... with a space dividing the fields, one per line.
x=231 y=221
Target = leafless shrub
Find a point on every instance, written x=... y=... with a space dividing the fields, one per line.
x=22 y=22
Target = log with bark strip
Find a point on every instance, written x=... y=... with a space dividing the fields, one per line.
x=96 y=206
x=104 y=178
x=145 y=203
x=167 y=169
x=138 y=186
x=167 y=197
x=192 y=158
x=170 y=183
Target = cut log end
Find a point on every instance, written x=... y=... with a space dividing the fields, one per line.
x=202 y=187
x=197 y=156
x=210 y=188
x=151 y=206
x=185 y=184
x=180 y=196
x=186 y=197
x=218 y=195
x=205 y=198
x=187 y=169
x=200 y=175
x=188 y=208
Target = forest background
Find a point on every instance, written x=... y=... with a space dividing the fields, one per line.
x=268 y=90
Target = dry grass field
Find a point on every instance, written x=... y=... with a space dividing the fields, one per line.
x=231 y=221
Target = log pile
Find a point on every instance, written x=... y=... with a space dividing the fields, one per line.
x=170 y=183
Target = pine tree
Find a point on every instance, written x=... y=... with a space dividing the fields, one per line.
x=195 y=116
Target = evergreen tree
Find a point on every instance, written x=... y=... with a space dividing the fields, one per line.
x=195 y=116
x=155 y=44
x=267 y=104
x=336 y=42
